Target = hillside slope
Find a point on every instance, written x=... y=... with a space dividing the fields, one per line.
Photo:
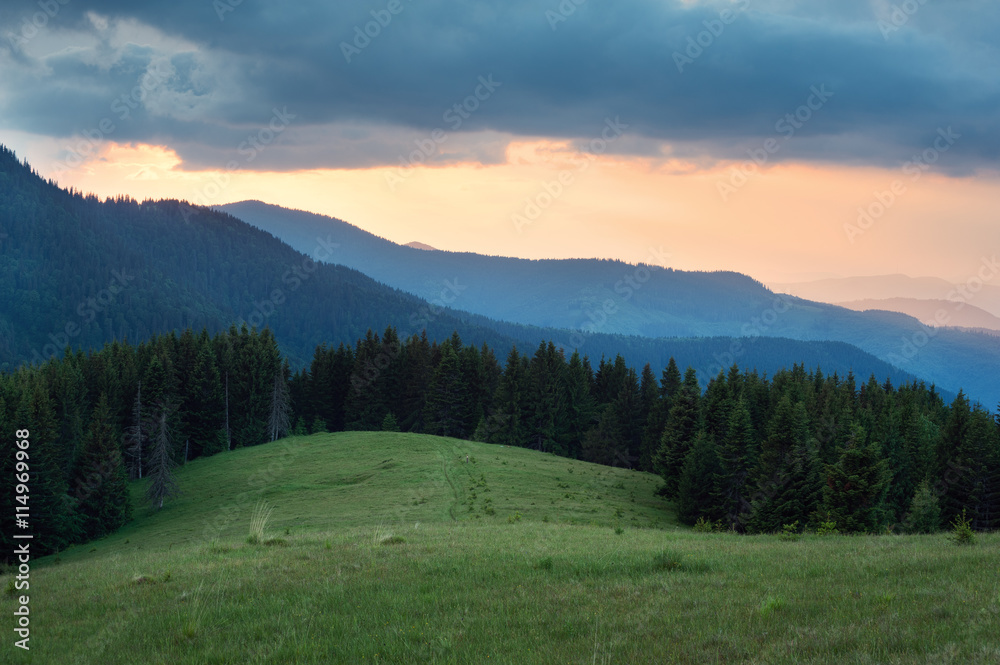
x=931 y=312
x=363 y=562
x=81 y=272
x=651 y=301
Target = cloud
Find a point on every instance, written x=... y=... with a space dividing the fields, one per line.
x=896 y=78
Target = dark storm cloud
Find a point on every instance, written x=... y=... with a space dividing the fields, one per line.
x=710 y=84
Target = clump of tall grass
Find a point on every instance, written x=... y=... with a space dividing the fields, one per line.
x=258 y=522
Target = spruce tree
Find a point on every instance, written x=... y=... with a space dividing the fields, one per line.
x=695 y=495
x=161 y=475
x=580 y=407
x=785 y=480
x=507 y=424
x=205 y=408
x=683 y=424
x=101 y=485
x=855 y=486
x=924 y=514
x=736 y=460
x=447 y=400
x=53 y=520
x=279 y=418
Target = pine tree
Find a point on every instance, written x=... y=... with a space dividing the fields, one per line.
x=364 y=407
x=736 y=460
x=855 y=486
x=278 y=419
x=695 y=495
x=162 y=484
x=786 y=478
x=579 y=404
x=135 y=437
x=205 y=407
x=101 y=488
x=506 y=425
x=54 y=523
x=924 y=514
x=447 y=402
x=683 y=425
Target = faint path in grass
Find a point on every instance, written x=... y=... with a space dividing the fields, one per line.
x=454 y=490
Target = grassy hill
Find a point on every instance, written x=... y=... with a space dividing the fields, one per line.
x=393 y=548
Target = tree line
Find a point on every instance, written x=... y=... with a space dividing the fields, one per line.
x=749 y=453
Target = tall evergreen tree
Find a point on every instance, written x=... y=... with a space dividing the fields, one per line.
x=54 y=523
x=447 y=400
x=101 y=488
x=787 y=477
x=736 y=460
x=855 y=486
x=695 y=495
x=683 y=425
x=161 y=475
x=507 y=424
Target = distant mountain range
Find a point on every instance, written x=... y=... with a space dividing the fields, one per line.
x=600 y=296
x=79 y=272
x=938 y=313
x=981 y=295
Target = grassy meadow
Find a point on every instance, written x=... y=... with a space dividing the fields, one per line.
x=392 y=548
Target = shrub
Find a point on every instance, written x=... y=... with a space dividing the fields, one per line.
x=703 y=525
x=961 y=531
x=790 y=531
x=827 y=528
x=389 y=423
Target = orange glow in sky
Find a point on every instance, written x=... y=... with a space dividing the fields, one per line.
x=787 y=222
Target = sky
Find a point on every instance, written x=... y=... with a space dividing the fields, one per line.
x=787 y=140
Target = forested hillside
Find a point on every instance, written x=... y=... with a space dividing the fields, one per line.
x=80 y=272
x=649 y=300
x=751 y=453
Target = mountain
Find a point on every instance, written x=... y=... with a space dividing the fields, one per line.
x=984 y=296
x=932 y=312
x=79 y=272
x=420 y=245
x=591 y=295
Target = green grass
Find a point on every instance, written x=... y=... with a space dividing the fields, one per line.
x=372 y=554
